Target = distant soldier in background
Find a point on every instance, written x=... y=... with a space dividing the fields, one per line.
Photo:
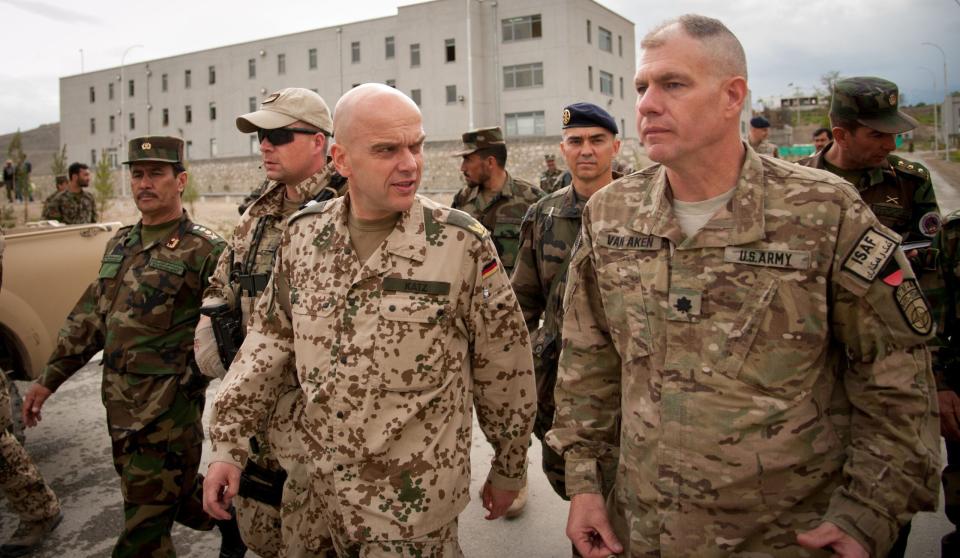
x=73 y=206
x=9 y=175
x=549 y=176
x=759 y=132
x=821 y=137
x=60 y=186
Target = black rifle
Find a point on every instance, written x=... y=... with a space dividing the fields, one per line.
x=227 y=329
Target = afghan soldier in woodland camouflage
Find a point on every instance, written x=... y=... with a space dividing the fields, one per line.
x=297 y=174
x=402 y=320
x=142 y=311
x=589 y=144
x=548 y=178
x=705 y=351
x=74 y=205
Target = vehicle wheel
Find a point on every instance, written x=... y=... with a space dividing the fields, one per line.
x=16 y=412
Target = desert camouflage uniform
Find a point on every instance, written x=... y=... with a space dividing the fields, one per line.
x=549 y=230
x=722 y=352
x=262 y=224
x=72 y=208
x=142 y=311
x=391 y=355
x=253 y=196
x=26 y=491
x=548 y=180
x=502 y=216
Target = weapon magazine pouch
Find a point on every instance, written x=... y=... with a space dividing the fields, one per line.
x=262 y=484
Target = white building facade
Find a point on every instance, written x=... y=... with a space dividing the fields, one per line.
x=467 y=63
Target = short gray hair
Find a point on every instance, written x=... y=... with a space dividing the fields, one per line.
x=723 y=45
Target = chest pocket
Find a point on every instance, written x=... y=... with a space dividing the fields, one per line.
x=153 y=298
x=628 y=319
x=315 y=337
x=409 y=344
x=506 y=237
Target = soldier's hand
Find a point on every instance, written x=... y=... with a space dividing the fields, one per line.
x=495 y=500
x=33 y=403
x=828 y=535
x=220 y=485
x=588 y=527
x=949 y=414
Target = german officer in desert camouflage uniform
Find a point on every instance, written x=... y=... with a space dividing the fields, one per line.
x=294 y=127
x=401 y=319
x=492 y=195
x=27 y=493
x=710 y=302
x=589 y=145
x=74 y=205
x=142 y=311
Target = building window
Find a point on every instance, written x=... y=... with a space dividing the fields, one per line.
x=451 y=94
x=523 y=75
x=187 y=79
x=213 y=147
x=112 y=123
x=252 y=68
x=450 y=50
x=163 y=83
x=606 y=83
x=189 y=149
x=415 y=55
x=590 y=77
x=213 y=110
x=133 y=121
x=212 y=75
x=621 y=87
x=620 y=45
x=165 y=119
x=252 y=104
x=388 y=48
x=93 y=157
x=415 y=95
x=312 y=59
x=93 y=126
x=520 y=28
x=605 y=39
x=281 y=64
x=623 y=126
x=589 y=32
x=392 y=83
x=93 y=95
x=130 y=88
x=525 y=123
x=355 y=52
x=188 y=114
x=110 y=91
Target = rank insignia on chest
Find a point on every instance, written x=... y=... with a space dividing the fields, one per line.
x=173 y=242
x=683 y=305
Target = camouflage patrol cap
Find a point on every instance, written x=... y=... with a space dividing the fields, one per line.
x=549 y=157
x=160 y=149
x=286 y=106
x=480 y=138
x=871 y=101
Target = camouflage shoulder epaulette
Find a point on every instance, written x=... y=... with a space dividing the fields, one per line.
x=463 y=220
x=908 y=167
x=205 y=233
x=312 y=207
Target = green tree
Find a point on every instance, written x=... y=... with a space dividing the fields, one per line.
x=58 y=166
x=17 y=156
x=190 y=193
x=828 y=79
x=103 y=183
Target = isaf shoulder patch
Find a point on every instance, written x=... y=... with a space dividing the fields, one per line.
x=870 y=254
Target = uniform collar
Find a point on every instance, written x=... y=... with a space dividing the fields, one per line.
x=133 y=237
x=407 y=240
x=875 y=175
x=271 y=202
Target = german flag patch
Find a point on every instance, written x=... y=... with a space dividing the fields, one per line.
x=489 y=269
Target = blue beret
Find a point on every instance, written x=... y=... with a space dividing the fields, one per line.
x=759 y=122
x=583 y=115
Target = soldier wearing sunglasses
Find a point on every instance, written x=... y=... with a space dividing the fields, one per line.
x=293 y=126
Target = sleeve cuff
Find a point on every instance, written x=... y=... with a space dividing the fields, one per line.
x=227 y=453
x=582 y=476
x=874 y=530
x=504 y=482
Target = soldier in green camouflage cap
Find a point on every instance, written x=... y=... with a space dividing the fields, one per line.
x=141 y=311
x=548 y=178
x=492 y=195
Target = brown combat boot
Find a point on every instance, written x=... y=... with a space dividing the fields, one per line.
x=516 y=508
x=29 y=535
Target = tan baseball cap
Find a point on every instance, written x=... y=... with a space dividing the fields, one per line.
x=284 y=107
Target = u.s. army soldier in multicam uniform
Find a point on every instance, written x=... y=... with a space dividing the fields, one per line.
x=293 y=125
x=400 y=319
x=709 y=304
x=141 y=312
x=589 y=144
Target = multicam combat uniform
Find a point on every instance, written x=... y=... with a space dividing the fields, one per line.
x=710 y=364
x=391 y=355
x=502 y=216
x=142 y=312
x=26 y=491
x=240 y=277
x=72 y=208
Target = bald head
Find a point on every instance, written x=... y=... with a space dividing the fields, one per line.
x=718 y=42
x=371 y=99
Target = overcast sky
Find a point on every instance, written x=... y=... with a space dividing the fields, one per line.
x=787 y=41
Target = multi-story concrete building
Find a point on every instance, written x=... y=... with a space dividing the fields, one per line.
x=467 y=63
x=950 y=120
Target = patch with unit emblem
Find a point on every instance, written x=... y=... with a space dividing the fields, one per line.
x=566 y=116
x=400 y=285
x=870 y=254
x=913 y=306
x=789 y=259
x=930 y=224
x=631 y=242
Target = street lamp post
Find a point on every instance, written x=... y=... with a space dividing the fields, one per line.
x=946 y=140
x=123 y=135
x=936 y=120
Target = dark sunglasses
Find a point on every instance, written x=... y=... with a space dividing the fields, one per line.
x=280 y=136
